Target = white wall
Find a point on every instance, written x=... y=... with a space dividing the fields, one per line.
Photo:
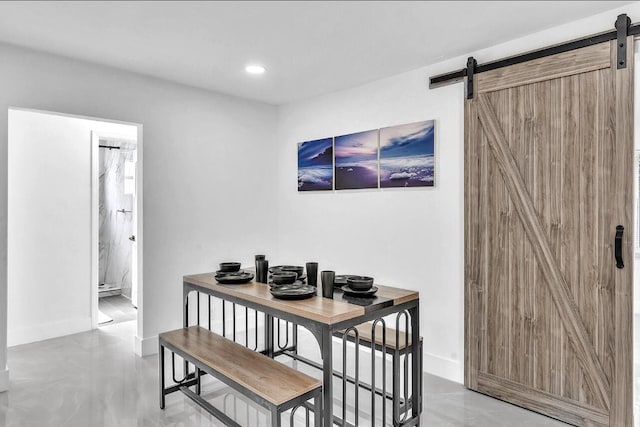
x=205 y=156
x=409 y=238
x=49 y=223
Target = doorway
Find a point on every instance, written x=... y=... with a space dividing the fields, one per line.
x=53 y=222
x=117 y=219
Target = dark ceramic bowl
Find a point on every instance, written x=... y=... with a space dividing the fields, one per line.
x=293 y=268
x=229 y=267
x=360 y=283
x=284 y=277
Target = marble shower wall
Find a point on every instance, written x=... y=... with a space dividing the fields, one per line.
x=115 y=227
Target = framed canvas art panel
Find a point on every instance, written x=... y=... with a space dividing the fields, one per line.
x=315 y=165
x=407 y=157
x=356 y=160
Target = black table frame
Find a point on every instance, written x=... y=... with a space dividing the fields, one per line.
x=323 y=334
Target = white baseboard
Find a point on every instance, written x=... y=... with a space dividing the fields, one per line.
x=439 y=366
x=45 y=331
x=4 y=380
x=145 y=346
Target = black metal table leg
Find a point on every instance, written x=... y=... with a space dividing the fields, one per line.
x=416 y=365
x=294 y=334
x=327 y=377
x=317 y=411
x=268 y=328
x=185 y=307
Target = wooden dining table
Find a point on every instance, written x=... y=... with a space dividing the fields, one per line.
x=323 y=317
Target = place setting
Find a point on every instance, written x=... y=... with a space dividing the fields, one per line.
x=231 y=274
x=294 y=282
x=289 y=281
x=354 y=289
x=284 y=281
x=359 y=286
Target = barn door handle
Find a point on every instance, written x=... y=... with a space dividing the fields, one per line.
x=618 y=246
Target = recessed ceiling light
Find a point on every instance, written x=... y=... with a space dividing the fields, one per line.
x=254 y=69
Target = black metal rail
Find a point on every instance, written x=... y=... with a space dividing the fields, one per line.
x=622 y=27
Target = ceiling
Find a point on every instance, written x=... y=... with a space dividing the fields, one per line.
x=309 y=48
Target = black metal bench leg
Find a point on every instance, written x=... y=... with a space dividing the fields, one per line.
x=396 y=387
x=421 y=375
x=161 y=368
x=275 y=417
x=317 y=411
x=198 y=384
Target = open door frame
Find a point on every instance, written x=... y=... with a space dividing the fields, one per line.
x=95 y=222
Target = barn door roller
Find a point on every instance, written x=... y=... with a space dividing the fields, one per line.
x=471 y=69
x=622 y=27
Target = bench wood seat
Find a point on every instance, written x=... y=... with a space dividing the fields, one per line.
x=271 y=380
x=365 y=336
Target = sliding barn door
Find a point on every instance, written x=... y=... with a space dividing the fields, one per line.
x=548 y=178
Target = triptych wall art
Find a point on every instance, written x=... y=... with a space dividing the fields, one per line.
x=397 y=156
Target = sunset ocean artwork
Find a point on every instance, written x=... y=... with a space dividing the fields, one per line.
x=407 y=155
x=356 y=160
x=315 y=165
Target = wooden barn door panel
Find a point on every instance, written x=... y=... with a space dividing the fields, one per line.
x=548 y=177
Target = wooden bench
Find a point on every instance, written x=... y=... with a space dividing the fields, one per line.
x=395 y=343
x=260 y=378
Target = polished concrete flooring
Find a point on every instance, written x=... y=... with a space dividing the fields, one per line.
x=93 y=379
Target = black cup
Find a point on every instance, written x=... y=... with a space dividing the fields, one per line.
x=312 y=273
x=328 y=277
x=262 y=270
x=258 y=258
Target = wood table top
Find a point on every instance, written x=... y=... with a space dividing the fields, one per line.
x=323 y=310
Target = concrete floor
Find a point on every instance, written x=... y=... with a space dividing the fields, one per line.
x=93 y=379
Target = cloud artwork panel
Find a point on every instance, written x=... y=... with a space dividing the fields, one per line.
x=407 y=155
x=356 y=158
x=315 y=165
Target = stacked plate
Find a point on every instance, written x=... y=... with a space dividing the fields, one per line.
x=230 y=274
x=287 y=282
x=357 y=286
x=236 y=278
x=293 y=291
